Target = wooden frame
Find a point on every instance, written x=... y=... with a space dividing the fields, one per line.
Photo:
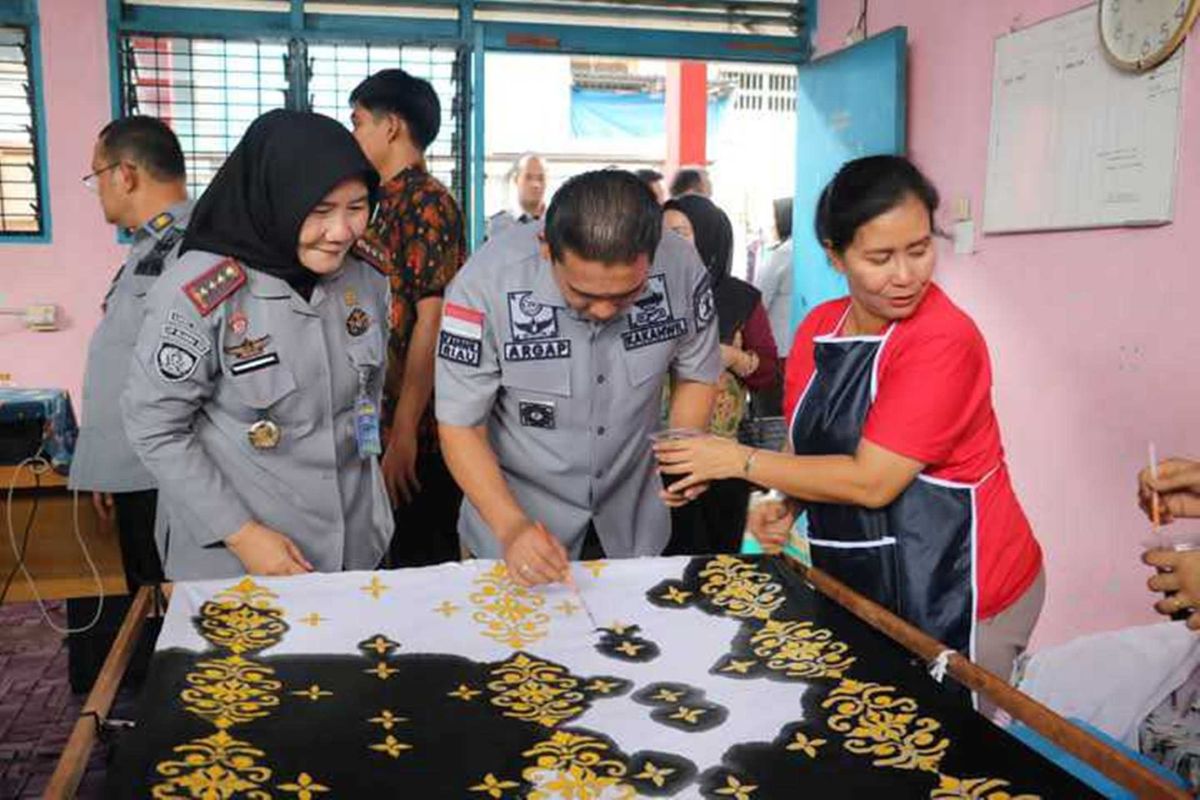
x=1110 y=762
x=73 y=761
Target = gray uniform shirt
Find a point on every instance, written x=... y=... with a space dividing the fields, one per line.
x=502 y=221
x=103 y=460
x=569 y=402
x=775 y=283
x=199 y=381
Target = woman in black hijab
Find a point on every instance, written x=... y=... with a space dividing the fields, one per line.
x=257 y=375
x=715 y=523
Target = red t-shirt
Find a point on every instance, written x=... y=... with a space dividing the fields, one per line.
x=933 y=404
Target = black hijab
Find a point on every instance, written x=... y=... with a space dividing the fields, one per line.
x=735 y=299
x=284 y=165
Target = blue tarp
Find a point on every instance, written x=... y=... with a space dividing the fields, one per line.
x=599 y=114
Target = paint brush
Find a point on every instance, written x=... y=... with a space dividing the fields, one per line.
x=1155 y=515
x=573 y=586
x=570 y=582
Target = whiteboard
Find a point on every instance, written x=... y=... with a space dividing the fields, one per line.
x=1075 y=142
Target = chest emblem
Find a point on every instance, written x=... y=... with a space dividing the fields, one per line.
x=249 y=348
x=533 y=328
x=651 y=319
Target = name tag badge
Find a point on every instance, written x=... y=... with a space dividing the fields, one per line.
x=366 y=427
x=366 y=420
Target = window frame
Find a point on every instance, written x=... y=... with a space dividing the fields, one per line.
x=23 y=14
x=554 y=29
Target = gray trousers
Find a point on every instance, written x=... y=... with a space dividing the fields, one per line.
x=1001 y=640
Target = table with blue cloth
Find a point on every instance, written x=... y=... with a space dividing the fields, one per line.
x=51 y=410
x=44 y=515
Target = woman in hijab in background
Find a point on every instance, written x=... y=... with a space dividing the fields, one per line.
x=256 y=378
x=716 y=521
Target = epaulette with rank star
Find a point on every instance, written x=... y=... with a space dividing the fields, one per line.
x=160 y=222
x=372 y=255
x=215 y=286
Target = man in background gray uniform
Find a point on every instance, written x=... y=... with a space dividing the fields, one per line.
x=528 y=176
x=138 y=174
x=552 y=357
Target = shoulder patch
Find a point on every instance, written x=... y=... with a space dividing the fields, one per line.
x=215 y=286
x=371 y=254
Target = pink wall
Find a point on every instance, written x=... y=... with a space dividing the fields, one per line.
x=75 y=268
x=1094 y=335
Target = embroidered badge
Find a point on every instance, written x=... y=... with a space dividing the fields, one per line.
x=174 y=363
x=180 y=331
x=462 y=321
x=249 y=348
x=358 y=322
x=461 y=337
x=704 y=307
x=651 y=320
x=215 y=286
x=534 y=331
x=459 y=349
x=536 y=414
x=185 y=337
x=254 y=364
x=238 y=323
x=529 y=319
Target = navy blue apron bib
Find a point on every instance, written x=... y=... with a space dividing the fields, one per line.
x=916 y=556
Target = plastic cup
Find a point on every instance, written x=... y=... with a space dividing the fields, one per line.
x=1179 y=542
x=674 y=434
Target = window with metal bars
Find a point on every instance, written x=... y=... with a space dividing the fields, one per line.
x=335 y=69
x=210 y=90
x=20 y=161
x=207 y=90
x=762 y=89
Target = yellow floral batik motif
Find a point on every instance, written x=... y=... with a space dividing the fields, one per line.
x=511 y=614
x=976 y=789
x=570 y=766
x=225 y=691
x=228 y=691
x=878 y=722
x=536 y=691
x=214 y=768
x=241 y=628
x=799 y=650
x=739 y=589
x=247 y=592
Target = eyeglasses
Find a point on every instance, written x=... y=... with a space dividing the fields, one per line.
x=92 y=178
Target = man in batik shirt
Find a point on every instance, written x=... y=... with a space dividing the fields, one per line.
x=417 y=238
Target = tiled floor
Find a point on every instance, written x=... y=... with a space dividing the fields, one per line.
x=37 y=707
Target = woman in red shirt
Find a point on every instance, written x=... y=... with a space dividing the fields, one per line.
x=897 y=459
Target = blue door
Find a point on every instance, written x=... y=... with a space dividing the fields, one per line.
x=849 y=104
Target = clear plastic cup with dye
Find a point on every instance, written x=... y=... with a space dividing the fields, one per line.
x=674 y=434
x=1179 y=541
